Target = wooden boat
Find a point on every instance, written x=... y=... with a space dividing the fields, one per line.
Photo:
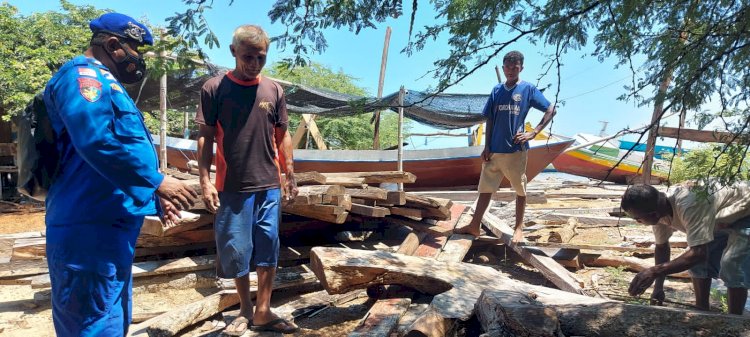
x=436 y=168
x=596 y=162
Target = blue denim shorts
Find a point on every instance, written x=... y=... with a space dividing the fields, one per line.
x=709 y=268
x=247 y=228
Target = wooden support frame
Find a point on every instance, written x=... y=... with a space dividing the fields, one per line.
x=307 y=123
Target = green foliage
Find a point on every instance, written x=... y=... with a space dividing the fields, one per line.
x=721 y=297
x=34 y=47
x=175 y=122
x=351 y=132
x=723 y=164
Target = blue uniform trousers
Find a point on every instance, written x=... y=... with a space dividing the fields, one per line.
x=90 y=267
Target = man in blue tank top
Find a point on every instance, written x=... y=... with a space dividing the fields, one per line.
x=506 y=141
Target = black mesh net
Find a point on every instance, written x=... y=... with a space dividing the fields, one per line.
x=444 y=111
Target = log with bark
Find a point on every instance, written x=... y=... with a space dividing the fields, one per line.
x=565 y=234
x=518 y=313
x=458 y=286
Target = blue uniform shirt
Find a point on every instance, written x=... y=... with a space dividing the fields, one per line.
x=109 y=167
x=508 y=109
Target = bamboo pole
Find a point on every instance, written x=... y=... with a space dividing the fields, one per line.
x=383 y=62
x=401 y=94
x=163 y=127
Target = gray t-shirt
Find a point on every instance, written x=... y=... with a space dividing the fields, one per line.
x=697 y=216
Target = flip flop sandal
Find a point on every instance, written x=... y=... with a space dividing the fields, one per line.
x=271 y=326
x=235 y=323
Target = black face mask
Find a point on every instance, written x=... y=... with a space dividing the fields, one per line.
x=130 y=70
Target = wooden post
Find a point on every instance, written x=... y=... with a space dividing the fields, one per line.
x=499 y=78
x=163 y=127
x=682 y=126
x=648 y=160
x=185 y=128
x=401 y=94
x=383 y=61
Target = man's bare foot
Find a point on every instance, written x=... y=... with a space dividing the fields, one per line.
x=469 y=229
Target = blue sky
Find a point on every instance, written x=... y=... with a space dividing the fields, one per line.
x=589 y=88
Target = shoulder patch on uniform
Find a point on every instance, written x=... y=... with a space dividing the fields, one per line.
x=107 y=75
x=87 y=72
x=90 y=88
x=116 y=87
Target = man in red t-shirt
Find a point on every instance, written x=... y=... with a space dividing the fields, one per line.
x=245 y=114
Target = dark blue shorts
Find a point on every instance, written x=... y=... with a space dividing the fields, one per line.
x=90 y=268
x=247 y=227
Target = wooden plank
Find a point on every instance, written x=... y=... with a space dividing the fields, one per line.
x=396 y=197
x=22 y=268
x=152 y=225
x=503 y=194
x=151 y=268
x=347 y=182
x=419 y=226
x=6 y=250
x=551 y=270
x=173 y=250
x=29 y=248
x=378 y=177
x=299 y=133
x=577 y=246
x=176 y=239
x=371 y=211
x=314 y=131
x=703 y=136
x=589 y=221
x=172 y=322
x=412 y=213
x=329 y=189
x=309 y=178
x=368 y=193
x=329 y=213
x=418 y=201
x=382 y=317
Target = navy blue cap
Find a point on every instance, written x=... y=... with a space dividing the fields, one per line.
x=123 y=26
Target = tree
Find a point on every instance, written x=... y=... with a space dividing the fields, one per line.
x=350 y=132
x=703 y=47
x=34 y=47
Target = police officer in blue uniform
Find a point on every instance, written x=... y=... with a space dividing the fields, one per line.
x=108 y=181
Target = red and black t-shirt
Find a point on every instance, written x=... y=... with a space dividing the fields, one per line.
x=245 y=114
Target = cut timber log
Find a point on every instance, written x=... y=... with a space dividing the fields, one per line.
x=152 y=225
x=368 y=193
x=520 y=313
x=396 y=197
x=648 y=241
x=631 y=263
x=172 y=322
x=551 y=270
x=309 y=178
x=377 y=177
x=371 y=211
x=563 y=235
x=329 y=213
x=346 y=181
x=456 y=285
